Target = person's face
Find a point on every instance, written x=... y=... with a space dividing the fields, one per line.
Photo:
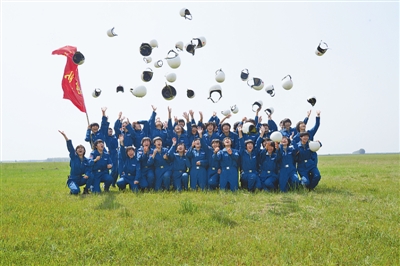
x=159 y=124
x=131 y=153
x=80 y=151
x=266 y=127
x=197 y=144
x=95 y=129
x=137 y=126
x=180 y=148
x=194 y=130
x=270 y=147
x=178 y=129
x=284 y=141
x=146 y=143
x=225 y=129
x=287 y=125
x=302 y=127
x=304 y=138
x=210 y=128
x=110 y=132
x=100 y=146
x=158 y=143
x=124 y=124
x=249 y=146
x=227 y=142
x=182 y=124
x=215 y=145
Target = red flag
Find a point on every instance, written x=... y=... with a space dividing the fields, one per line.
x=70 y=82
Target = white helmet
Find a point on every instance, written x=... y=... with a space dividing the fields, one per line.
x=226 y=112
x=111 y=32
x=258 y=84
x=147 y=59
x=248 y=127
x=179 y=46
x=216 y=88
x=234 y=109
x=269 y=110
x=171 y=77
x=314 y=145
x=173 y=61
x=321 y=49
x=96 y=93
x=139 y=91
x=153 y=43
x=158 y=64
x=270 y=90
x=201 y=42
x=287 y=82
x=257 y=104
x=312 y=100
x=219 y=75
x=276 y=136
x=185 y=13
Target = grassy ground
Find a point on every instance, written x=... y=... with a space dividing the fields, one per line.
x=351 y=219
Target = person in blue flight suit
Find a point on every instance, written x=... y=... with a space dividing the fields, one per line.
x=180 y=165
x=112 y=145
x=156 y=127
x=268 y=164
x=138 y=132
x=225 y=131
x=81 y=168
x=214 y=118
x=130 y=169
x=301 y=127
x=213 y=169
x=198 y=165
x=162 y=166
x=102 y=163
x=177 y=131
x=306 y=163
x=94 y=132
x=228 y=158
x=249 y=177
x=210 y=134
x=269 y=127
x=288 y=178
x=143 y=154
x=287 y=130
x=120 y=128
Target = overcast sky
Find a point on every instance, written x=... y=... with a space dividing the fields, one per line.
x=356 y=82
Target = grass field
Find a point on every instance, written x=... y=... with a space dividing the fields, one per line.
x=352 y=218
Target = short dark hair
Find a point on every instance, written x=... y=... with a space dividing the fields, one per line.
x=94 y=124
x=144 y=139
x=129 y=148
x=226 y=124
x=182 y=120
x=215 y=140
x=81 y=146
x=302 y=134
x=157 y=138
x=97 y=142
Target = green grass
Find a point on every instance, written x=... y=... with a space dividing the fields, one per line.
x=352 y=218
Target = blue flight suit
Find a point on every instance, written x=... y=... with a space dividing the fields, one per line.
x=128 y=137
x=191 y=137
x=138 y=135
x=147 y=170
x=249 y=176
x=182 y=138
x=100 y=134
x=215 y=119
x=112 y=145
x=130 y=172
x=180 y=164
x=209 y=137
x=307 y=166
x=229 y=168
x=154 y=132
x=312 y=131
x=162 y=170
x=198 y=173
x=268 y=164
x=272 y=127
x=213 y=166
x=100 y=171
x=288 y=178
x=79 y=168
x=233 y=136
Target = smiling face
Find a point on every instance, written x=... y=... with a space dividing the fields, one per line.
x=227 y=142
x=130 y=153
x=249 y=146
x=110 y=132
x=158 y=143
x=180 y=148
x=178 y=129
x=304 y=139
x=80 y=150
x=95 y=128
x=197 y=144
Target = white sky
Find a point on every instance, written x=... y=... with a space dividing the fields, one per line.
x=356 y=82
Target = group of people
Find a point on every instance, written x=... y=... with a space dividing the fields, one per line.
x=155 y=155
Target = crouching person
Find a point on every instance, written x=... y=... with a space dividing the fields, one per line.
x=180 y=177
x=101 y=161
x=81 y=168
x=130 y=169
x=307 y=163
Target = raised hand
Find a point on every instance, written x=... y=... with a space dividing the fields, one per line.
x=308 y=113
x=154 y=108
x=62 y=133
x=173 y=141
x=318 y=113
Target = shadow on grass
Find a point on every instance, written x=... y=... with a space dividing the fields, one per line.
x=223 y=219
x=109 y=202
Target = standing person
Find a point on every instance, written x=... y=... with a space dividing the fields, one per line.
x=177 y=131
x=138 y=132
x=94 y=133
x=249 y=177
x=306 y=163
x=198 y=165
x=102 y=163
x=181 y=163
x=288 y=178
x=228 y=158
x=162 y=166
x=130 y=169
x=112 y=144
x=210 y=134
x=213 y=169
x=156 y=127
x=225 y=129
x=301 y=127
x=147 y=170
x=120 y=127
x=268 y=165
x=81 y=168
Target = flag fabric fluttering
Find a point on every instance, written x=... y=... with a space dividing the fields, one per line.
x=70 y=82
